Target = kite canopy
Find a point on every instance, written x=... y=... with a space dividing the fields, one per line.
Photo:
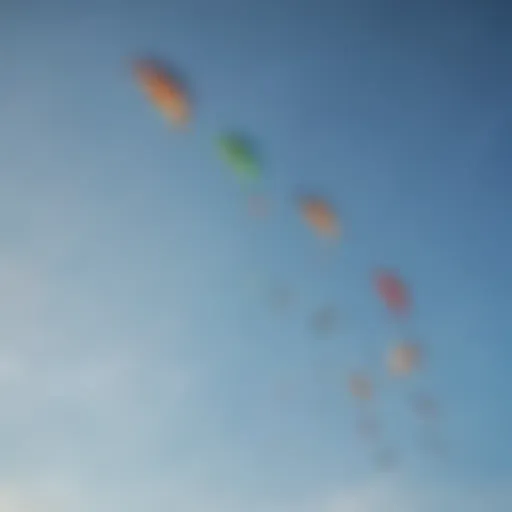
x=240 y=155
x=163 y=91
x=320 y=216
x=392 y=291
x=361 y=387
x=325 y=321
x=404 y=359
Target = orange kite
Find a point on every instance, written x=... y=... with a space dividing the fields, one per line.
x=163 y=91
x=320 y=217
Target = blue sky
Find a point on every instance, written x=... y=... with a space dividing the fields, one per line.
x=141 y=354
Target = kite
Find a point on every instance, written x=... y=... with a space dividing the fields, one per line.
x=368 y=428
x=239 y=154
x=163 y=91
x=325 y=321
x=361 y=387
x=392 y=291
x=403 y=359
x=319 y=215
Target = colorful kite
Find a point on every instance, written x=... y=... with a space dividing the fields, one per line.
x=320 y=216
x=239 y=154
x=404 y=359
x=361 y=387
x=163 y=91
x=392 y=291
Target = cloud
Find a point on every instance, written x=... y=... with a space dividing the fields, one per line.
x=405 y=495
x=57 y=492
x=80 y=387
x=64 y=389
x=107 y=389
x=378 y=496
x=45 y=492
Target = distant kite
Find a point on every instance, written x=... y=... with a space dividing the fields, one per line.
x=320 y=216
x=163 y=91
x=240 y=156
x=368 y=428
x=392 y=291
x=361 y=387
x=325 y=321
x=404 y=359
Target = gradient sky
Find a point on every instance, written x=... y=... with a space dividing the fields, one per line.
x=141 y=354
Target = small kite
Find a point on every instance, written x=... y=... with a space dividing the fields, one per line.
x=240 y=155
x=320 y=216
x=325 y=321
x=163 y=91
x=361 y=387
x=392 y=291
x=368 y=428
x=404 y=359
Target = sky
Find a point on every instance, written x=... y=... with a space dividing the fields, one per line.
x=142 y=361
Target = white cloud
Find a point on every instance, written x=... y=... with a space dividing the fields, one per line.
x=379 y=496
x=403 y=495
x=45 y=492
x=25 y=498
x=108 y=386
x=58 y=493
x=44 y=495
